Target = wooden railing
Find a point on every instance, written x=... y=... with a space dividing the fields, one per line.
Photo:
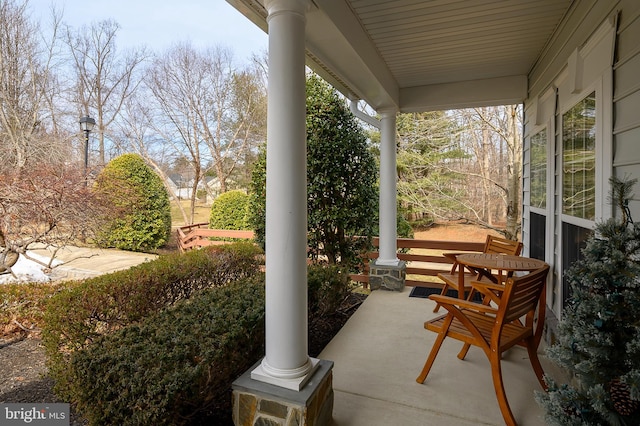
x=424 y=257
x=198 y=235
x=424 y=260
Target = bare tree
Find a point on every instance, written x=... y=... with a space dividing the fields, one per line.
x=175 y=82
x=501 y=166
x=462 y=165
x=25 y=90
x=211 y=113
x=106 y=78
x=136 y=134
x=50 y=207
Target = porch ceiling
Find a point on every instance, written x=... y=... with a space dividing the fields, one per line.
x=419 y=55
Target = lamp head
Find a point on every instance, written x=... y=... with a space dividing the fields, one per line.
x=87 y=123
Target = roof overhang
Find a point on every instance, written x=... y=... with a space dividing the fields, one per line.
x=422 y=56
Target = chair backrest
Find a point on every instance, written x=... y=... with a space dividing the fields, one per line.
x=497 y=245
x=521 y=295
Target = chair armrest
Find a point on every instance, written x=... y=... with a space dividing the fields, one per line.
x=451 y=256
x=480 y=285
x=461 y=303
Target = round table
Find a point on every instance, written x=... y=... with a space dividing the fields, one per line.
x=500 y=262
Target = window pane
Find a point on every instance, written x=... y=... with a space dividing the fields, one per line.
x=579 y=159
x=538 y=232
x=539 y=170
x=575 y=240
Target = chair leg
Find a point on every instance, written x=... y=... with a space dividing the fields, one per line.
x=498 y=384
x=442 y=293
x=535 y=361
x=463 y=351
x=432 y=356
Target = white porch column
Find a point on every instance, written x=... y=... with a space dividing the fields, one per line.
x=286 y=363
x=388 y=176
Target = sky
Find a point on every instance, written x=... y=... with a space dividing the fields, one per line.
x=159 y=24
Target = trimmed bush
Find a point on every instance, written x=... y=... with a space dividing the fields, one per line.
x=229 y=211
x=140 y=202
x=78 y=316
x=328 y=287
x=175 y=367
x=171 y=366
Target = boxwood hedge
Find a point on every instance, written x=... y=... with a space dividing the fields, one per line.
x=77 y=316
x=175 y=367
x=162 y=342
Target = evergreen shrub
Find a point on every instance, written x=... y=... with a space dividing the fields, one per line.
x=328 y=286
x=139 y=202
x=229 y=211
x=175 y=367
x=170 y=360
x=76 y=317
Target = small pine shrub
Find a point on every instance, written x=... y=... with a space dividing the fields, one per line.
x=140 y=205
x=229 y=211
x=175 y=367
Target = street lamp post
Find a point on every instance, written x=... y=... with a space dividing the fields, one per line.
x=86 y=125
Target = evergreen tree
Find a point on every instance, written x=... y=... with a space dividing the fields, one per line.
x=599 y=335
x=342 y=193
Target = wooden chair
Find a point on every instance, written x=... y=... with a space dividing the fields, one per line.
x=493 y=245
x=493 y=329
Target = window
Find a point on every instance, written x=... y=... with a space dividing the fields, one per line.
x=539 y=170
x=538 y=241
x=579 y=159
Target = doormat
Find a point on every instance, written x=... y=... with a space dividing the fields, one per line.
x=424 y=292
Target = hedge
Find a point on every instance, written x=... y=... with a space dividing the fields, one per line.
x=123 y=359
x=176 y=367
x=79 y=315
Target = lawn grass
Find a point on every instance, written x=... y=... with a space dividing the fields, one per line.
x=201 y=213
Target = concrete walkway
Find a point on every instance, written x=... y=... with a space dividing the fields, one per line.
x=381 y=350
x=86 y=262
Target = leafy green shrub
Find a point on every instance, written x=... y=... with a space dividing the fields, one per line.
x=258 y=198
x=176 y=367
x=142 y=212
x=78 y=316
x=328 y=287
x=229 y=211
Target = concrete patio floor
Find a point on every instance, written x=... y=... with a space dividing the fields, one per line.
x=381 y=350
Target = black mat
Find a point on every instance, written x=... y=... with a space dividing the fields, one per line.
x=424 y=292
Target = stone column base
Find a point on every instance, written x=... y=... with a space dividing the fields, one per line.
x=389 y=277
x=259 y=403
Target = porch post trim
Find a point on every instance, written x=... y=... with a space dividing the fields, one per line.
x=286 y=362
x=388 y=189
